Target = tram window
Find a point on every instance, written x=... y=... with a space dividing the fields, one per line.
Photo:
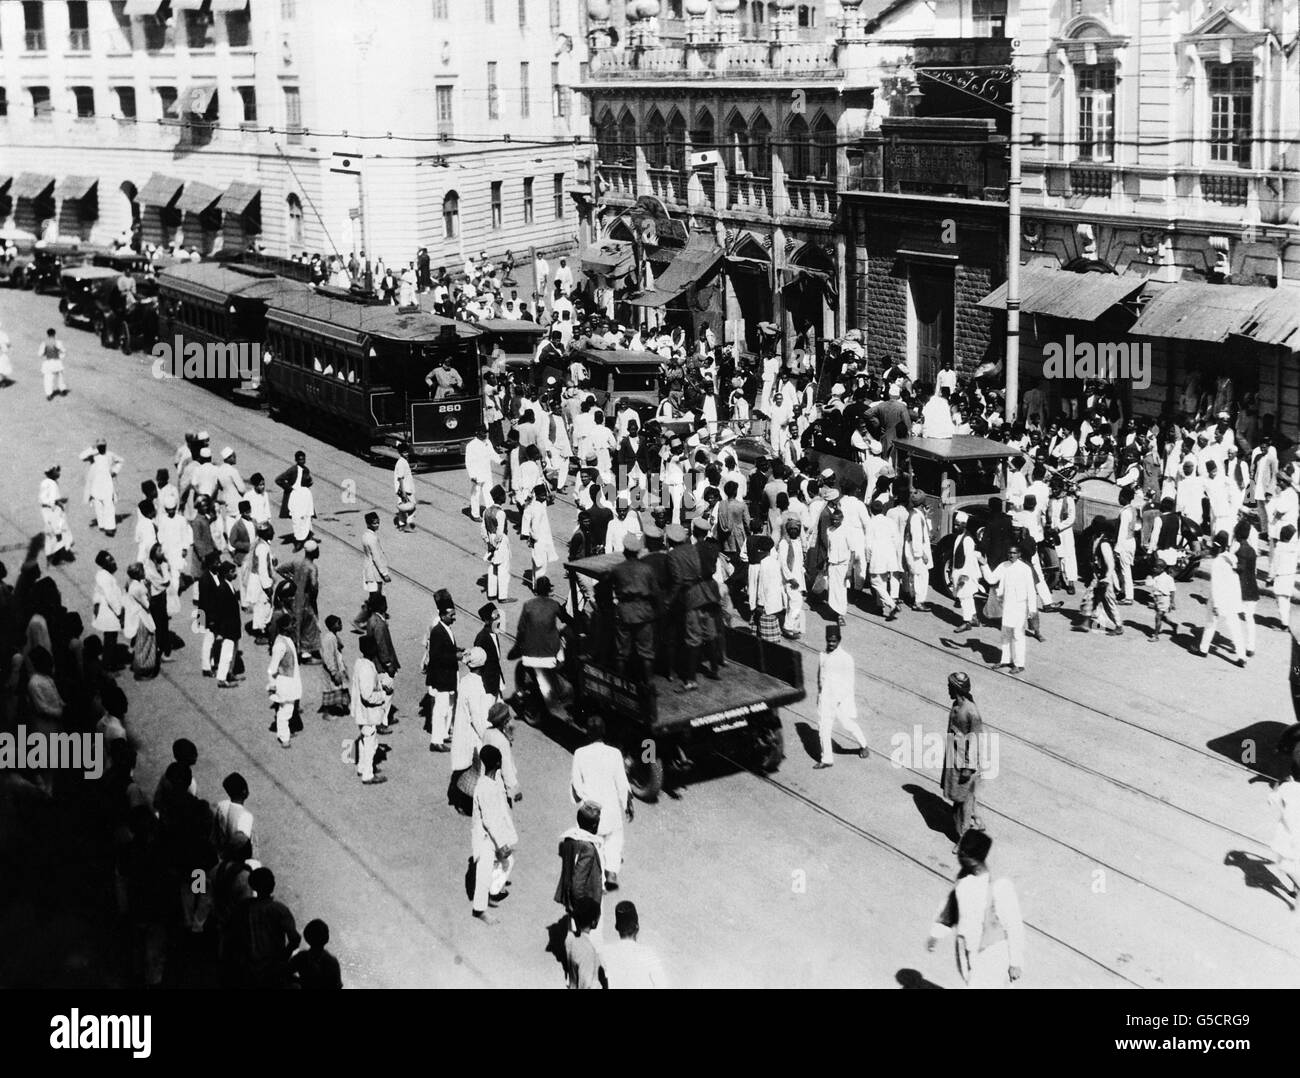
x=463 y=361
x=633 y=380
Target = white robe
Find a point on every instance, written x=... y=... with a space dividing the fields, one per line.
x=101 y=490
x=471 y=721
x=302 y=507
x=1015 y=584
x=108 y=603
x=57 y=535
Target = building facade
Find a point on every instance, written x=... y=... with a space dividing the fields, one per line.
x=743 y=122
x=1168 y=156
x=321 y=125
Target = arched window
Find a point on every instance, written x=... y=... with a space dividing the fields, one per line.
x=676 y=141
x=627 y=138
x=703 y=136
x=760 y=146
x=737 y=144
x=756 y=16
x=294 y=204
x=807 y=16
x=451 y=215
x=656 y=147
x=823 y=152
x=798 y=149
x=607 y=136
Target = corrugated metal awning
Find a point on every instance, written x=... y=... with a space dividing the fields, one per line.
x=30 y=185
x=75 y=186
x=1062 y=293
x=238 y=197
x=689 y=266
x=1276 y=318
x=159 y=190
x=609 y=258
x=197 y=197
x=1193 y=311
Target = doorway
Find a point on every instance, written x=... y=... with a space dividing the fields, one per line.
x=930 y=332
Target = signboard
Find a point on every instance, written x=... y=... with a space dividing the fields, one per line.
x=620 y=694
x=444 y=420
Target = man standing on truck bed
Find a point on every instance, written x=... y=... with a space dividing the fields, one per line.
x=691 y=598
x=639 y=603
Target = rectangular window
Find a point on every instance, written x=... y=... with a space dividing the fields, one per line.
x=494 y=107
x=167 y=103
x=442 y=96
x=523 y=14
x=4 y=103
x=85 y=99
x=159 y=34
x=42 y=106
x=557 y=192
x=1231 y=112
x=292 y=114
x=496 y=204
x=34 y=25
x=125 y=101
x=288 y=10
x=248 y=97
x=1096 y=96
x=559 y=95
x=584 y=106
x=238 y=29
x=989 y=18
x=528 y=201
x=78 y=26
x=199 y=30
x=524 y=108
x=556 y=14
x=490 y=10
x=440 y=9
x=122 y=38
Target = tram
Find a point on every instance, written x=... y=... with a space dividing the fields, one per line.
x=374 y=375
x=222 y=306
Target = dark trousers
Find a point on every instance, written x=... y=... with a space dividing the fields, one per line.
x=162 y=623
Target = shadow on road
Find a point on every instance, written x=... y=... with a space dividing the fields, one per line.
x=934 y=810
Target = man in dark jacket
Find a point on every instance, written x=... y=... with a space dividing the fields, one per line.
x=376 y=628
x=582 y=874
x=489 y=639
x=639 y=602
x=441 y=666
x=999 y=533
x=690 y=601
x=223 y=621
x=208 y=582
x=294 y=476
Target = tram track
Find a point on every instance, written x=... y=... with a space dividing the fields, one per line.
x=781 y=786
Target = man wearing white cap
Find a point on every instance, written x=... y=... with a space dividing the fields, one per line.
x=230 y=483
x=302 y=507
x=479 y=459
x=1283 y=508
x=58 y=536
x=101 y=491
x=469 y=726
x=837 y=699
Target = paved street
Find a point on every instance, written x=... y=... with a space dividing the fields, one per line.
x=1120 y=809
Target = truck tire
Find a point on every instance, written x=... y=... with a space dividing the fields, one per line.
x=124 y=339
x=106 y=337
x=645 y=780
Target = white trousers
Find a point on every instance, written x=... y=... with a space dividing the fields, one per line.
x=1283 y=589
x=283 y=713
x=1124 y=567
x=440 y=717
x=478 y=498
x=1040 y=582
x=837 y=587
x=490 y=875
x=1069 y=558
x=498 y=577
x=367 y=743
x=920 y=584
x=885 y=586
x=1248 y=614
x=52 y=381
x=1013 y=645
x=301 y=528
x=830 y=713
x=105 y=518
x=612 y=834
x=1228 y=624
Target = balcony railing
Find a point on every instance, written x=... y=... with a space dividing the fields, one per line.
x=621 y=179
x=750 y=193
x=35 y=40
x=1088 y=182
x=708 y=187
x=745 y=60
x=79 y=40
x=950 y=158
x=1227 y=189
x=811 y=198
x=667 y=184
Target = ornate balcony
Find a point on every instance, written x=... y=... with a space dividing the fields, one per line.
x=811 y=198
x=741 y=60
x=621 y=179
x=1226 y=189
x=752 y=193
x=668 y=184
x=1091 y=182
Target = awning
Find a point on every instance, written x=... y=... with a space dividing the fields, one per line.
x=238 y=197
x=692 y=264
x=1193 y=311
x=229 y=5
x=5 y=180
x=197 y=197
x=75 y=186
x=1062 y=293
x=159 y=190
x=142 y=7
x=608 y=258
x=197 y=97
x=187 y=5
x=31 y=185
x=740 y=264
x=1276 y=319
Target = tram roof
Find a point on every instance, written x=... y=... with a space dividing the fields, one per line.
x=354 y=323
x=217 y=282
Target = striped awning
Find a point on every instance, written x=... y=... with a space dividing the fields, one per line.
x=238 y=197
x=197 y=197
x=75 y=186
x=31 y=185
x=159 y=190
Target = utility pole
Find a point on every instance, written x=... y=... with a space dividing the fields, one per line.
x=1013 y=249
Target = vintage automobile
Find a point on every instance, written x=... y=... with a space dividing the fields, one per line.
x=49 y=260
x=665 y=733
x=15 y=270
x=127 y=320
x=80 y=287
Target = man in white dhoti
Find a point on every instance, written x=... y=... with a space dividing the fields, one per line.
x=535 y=530
x=965 y=572
x=985 y=915
x=101 y=491
x=302 y=507
x=600 y=776
x=838 y=556
x=917 y=555
x=492 y=835
x=479 y=459
x=260 y=580
x=884 y=560
x=837 y=698
x=1223 y=611
x=58 y=536
x=404 y=489
x=1014 y=580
